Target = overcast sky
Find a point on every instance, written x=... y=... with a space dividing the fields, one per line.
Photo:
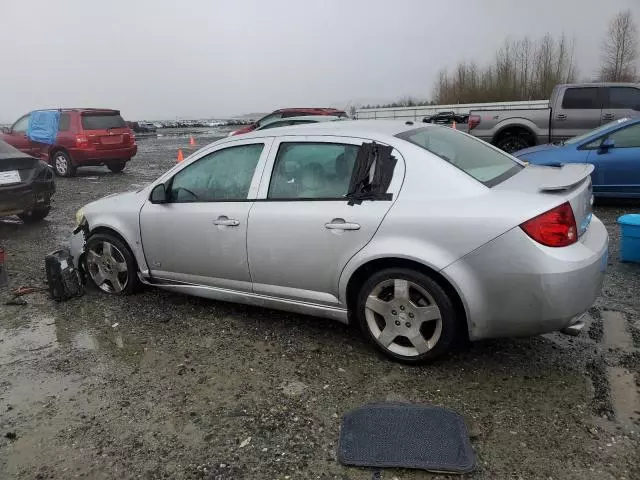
x=161 y=59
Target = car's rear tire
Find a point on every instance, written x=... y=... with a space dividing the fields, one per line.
x=116 y=167
x=110 y=265
x=407 y=315
x=35 y=214
x=62 y=164
x=513 y=141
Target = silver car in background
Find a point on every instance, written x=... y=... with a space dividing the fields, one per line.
x=418 y=233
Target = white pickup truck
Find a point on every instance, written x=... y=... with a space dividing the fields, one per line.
x=573 y=110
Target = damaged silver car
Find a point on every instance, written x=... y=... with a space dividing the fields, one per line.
x=419 y=234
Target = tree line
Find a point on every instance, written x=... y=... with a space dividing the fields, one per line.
x=529 y=69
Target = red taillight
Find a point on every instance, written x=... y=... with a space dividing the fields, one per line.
x=82 y=141
x=474 y=121
x=555 y=228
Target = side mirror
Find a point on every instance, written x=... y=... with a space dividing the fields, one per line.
x=6 y=129
x=606 y=145
x=158 y=194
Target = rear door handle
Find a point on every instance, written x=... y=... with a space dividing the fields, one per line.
x=226 y=221
x=561 y=116
x=340 y=224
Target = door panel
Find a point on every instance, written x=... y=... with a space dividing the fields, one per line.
x=199 y=236
x=619 y=167
x=18 y=136
x=580 y=112
x=297 y=248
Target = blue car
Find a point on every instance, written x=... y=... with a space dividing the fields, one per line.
x=613 y=149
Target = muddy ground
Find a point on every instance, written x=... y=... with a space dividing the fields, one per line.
x=159 y=385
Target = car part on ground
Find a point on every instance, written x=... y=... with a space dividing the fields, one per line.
x=85 y=137
x=26 y=185
x=418 y=234
x=63 y=279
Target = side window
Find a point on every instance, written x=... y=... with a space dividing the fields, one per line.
x=312 y=171
x=269 y=118
x=281 y=123
x=581 y=98
x=627 y=137
x=224 y=175
x=624 y=98
x=63 y=124
x=21 y=126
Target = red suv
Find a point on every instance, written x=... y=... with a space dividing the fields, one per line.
x=86 y=137
x=290 y=112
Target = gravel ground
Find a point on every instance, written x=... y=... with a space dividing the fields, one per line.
x=159 y=385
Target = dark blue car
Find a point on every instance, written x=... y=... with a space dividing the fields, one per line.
x=613 y=149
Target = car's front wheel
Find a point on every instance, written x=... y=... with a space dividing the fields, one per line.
x=34 y=215
x=62 y=164
x=407 y=315
x=110 y=264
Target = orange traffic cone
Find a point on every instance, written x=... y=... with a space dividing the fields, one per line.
x=454 y=125
x=192 y=141
x=180 y=157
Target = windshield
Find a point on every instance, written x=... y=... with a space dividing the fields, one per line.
x=474 y=157
x=595 y=131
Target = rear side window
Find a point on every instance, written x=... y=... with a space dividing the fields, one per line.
x=624 y=98
x=581 y=98
x=474 y=157
x=312 y=171
x=102 y=122
x=63 y=123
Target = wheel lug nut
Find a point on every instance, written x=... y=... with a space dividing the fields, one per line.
x=401 y=307
x=408 y=325
x=393 y=312
x=411 y=315
x=397 y=323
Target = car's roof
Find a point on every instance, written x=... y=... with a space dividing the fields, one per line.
x=81 y=110
x=304 y=109
x=353 y=128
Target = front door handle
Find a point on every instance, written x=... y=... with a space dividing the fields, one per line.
x=340 y=224
x=608 y=116
x=561 y=116
x=226 y=221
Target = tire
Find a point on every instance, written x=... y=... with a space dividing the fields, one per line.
x=410 y=338
x=34 y=215
x=512 y=142
x=116 y=272
x=62 y=164
x=116 y=167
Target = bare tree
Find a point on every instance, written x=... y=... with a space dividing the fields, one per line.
x=620 y=49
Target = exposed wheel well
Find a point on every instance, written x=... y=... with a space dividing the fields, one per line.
x=373 y=266
x=517 y=131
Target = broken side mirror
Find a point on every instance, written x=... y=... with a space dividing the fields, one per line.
x=158 y=194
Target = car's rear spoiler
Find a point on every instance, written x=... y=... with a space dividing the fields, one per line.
x=566 y=177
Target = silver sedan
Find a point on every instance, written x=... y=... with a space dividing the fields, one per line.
x=418 y=234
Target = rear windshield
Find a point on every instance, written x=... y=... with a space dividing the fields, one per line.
x=474 y=157
x=102 y=122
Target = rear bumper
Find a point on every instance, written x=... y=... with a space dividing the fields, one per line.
x=98 y=157
x=513 y=286
x=21 y=198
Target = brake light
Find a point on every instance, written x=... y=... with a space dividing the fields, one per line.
x=474 y=121
x=82 y=141
x=555 y=228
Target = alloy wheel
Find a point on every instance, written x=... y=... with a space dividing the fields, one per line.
x=61 y=165
x=107 y=267
x=403 y=317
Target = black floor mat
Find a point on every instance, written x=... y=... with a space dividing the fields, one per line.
x=405 y=436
